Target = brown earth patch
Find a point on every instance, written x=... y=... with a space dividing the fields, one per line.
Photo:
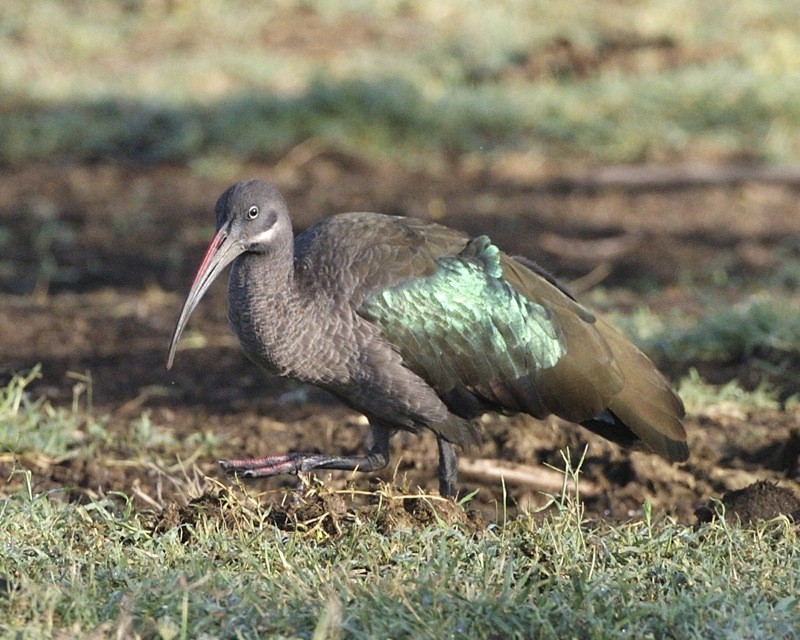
x=318 y=510
x=755 y=503
x=95 y=261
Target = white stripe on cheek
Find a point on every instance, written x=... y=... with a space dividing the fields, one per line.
x=263 y=237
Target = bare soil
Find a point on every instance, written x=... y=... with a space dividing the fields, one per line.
x=95 y=261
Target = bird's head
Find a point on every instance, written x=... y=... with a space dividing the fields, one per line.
x=251 y=217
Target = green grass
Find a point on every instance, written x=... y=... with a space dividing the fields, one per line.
x=31 y=426
x=100 y=570
x=699 y=396
x=600 y=82
x=762 y=327
x=104 y=569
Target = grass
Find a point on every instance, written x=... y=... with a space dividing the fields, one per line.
x=100 y=570
x=31 y=425
x=228 y=568
x=33 y=429
x=758 y=326
x=602 y=82
x=701 y=397
x=762 y=329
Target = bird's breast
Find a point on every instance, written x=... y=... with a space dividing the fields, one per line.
x=312 y=340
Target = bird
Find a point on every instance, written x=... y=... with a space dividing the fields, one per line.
x=419 y=326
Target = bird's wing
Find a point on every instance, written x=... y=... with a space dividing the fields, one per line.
x=487 y=331
x=356 y=254
x=483 y=342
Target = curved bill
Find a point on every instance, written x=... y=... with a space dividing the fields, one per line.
x=220 y=253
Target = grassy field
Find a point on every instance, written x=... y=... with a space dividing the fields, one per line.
x=119 y=124
x=216 y=81
x=100 y=570
x=349 y=564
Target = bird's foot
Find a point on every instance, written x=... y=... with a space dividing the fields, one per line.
x=376 y=458
x=294 y=463
x=290 y=463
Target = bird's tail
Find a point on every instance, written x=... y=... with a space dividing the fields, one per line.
x=646 y=405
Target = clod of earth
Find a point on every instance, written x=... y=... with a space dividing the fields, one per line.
x=318 y=511
x=419 y=326
x=754 y=503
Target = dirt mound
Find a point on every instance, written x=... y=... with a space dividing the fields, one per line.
x=411 y=513
x=319 y=511
x=757 y=502
x=221 y=508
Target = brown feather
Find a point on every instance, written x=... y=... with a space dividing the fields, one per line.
x=603 y=370
x=580 y=385
x=646 y=404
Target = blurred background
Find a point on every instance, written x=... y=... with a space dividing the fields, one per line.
x=646 y=152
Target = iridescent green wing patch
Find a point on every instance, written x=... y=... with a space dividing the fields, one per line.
x=463 y=325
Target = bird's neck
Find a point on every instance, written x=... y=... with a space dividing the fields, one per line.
x=267 y=311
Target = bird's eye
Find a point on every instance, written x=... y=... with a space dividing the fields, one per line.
x=252 y=213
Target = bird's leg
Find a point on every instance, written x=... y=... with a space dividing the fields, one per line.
x=376 y=458
x=448 y=468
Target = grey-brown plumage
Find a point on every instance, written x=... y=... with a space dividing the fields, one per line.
x=419 y=326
